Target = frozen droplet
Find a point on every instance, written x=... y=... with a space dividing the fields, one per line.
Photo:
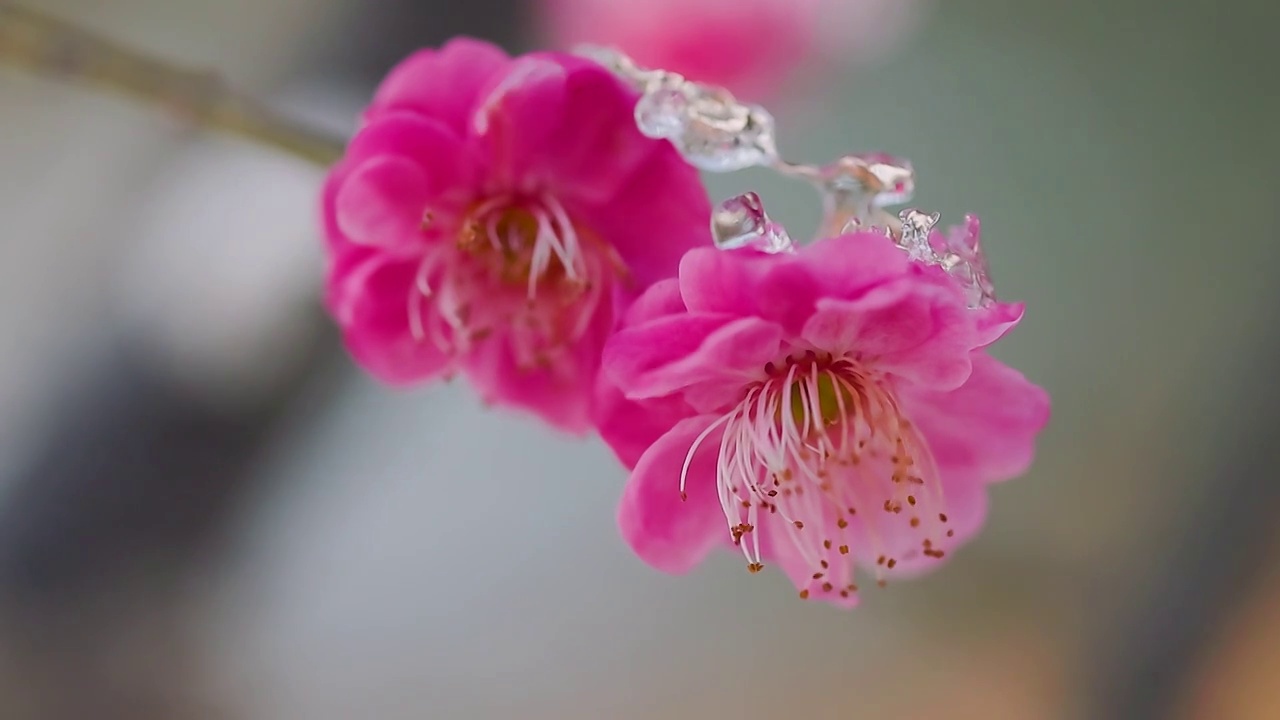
x=914 y=236
x=890 y=179
x=663 y=112
x=856 y=188
x=613 y=60
x=966 y=261
x=723 y=135
x=741 y=221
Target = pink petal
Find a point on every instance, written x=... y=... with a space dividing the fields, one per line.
x=843 y=267
x=911 y=328
x=561 y=393
x=629 y=427
x=516 y=117
x=595 y=149
x=679 y=352
x=381 y=202
x=397 y=169
x=370 y=301
x=443 y=84
x=661 y=299
x=719 y=281
x=994 y=322
x=658 y=214
x=778 y=549
x=335 y=240
x=985 y=430
x=786 y=288
x=449 y=165
x=966 y=506
x=670 y=534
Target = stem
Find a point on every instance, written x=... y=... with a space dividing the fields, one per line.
x=43 y=44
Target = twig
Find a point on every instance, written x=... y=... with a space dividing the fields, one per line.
x=39 y=43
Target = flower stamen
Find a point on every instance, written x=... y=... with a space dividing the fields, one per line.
x=529 y=242
x=817 y=438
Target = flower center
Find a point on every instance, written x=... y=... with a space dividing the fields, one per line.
x=519 y=265
x=525 y=242
x=821 y=450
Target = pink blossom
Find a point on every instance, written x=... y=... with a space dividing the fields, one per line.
x=818 y=410
x=493 y=216
x=750 y=47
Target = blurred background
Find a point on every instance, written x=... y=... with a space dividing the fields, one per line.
x=207 y=513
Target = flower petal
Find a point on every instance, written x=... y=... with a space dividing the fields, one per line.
x=516 y=117
x=369 y=298
x=661 y=299
x=983 y=431
x=381 y=202
x=670 y=534
x=629 y=427
x=450 y=167
x=657 y=215
x=912 y=328
x=786 y=287
x=397 y=170
x=596 y=149
x=678 y=352
x=778 y=548
x=994 y=322
x=965 y=504
x=564 y=124
x=560 y=391
x=724 y=281
x=443 y=84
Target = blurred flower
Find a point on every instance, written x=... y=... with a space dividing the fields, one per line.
x=493 y=215
x=818 y=409
x=750 y=47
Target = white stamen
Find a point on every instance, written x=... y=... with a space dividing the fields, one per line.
x=781 y=453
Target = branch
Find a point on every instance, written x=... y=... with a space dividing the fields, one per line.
x=42 y=44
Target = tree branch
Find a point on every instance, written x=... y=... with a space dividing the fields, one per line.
x=42 y=44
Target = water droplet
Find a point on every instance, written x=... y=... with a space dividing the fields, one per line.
x=966 y=262
x=723 y=135
x=663 y=112
x=914 y=237
x=741 y=221
x=856 y=188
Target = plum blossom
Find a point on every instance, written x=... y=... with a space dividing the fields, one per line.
x=493 y=216
x=824 y=409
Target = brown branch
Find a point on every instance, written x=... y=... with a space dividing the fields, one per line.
x=42 y=44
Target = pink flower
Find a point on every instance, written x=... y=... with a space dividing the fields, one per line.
x=493 y=216
x=818 y=409
x=751 y=47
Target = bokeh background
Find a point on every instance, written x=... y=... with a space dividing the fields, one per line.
x=207 y=513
